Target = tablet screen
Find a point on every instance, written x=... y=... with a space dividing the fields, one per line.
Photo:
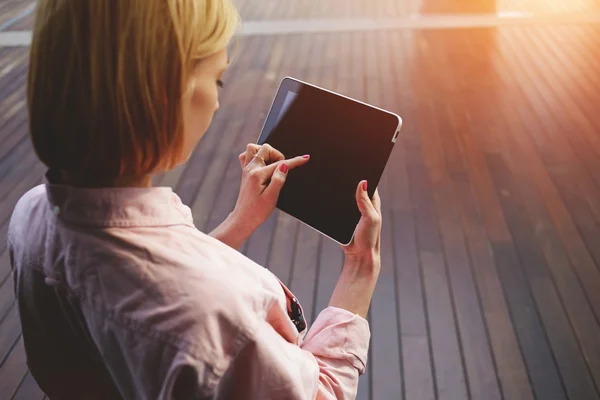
x=348 y=141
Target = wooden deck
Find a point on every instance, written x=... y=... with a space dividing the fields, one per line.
x=490 y=286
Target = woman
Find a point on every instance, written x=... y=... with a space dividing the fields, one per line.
x=119 y=295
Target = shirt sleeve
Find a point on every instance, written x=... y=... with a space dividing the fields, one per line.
x=325 y=366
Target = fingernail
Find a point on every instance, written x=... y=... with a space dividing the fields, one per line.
x=306 y=156
x=283 y=168
x=365 y=186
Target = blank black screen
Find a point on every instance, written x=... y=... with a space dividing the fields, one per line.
x=347 y=141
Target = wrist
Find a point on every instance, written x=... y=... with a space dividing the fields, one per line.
x=232 y=232
x=240 y=223
x=356 y=283
x=368 y=263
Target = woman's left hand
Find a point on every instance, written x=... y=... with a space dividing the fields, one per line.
x=264 y=172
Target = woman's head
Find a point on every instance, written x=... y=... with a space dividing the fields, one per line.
x=124 y=88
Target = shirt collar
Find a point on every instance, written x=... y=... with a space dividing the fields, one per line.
x=117 y=207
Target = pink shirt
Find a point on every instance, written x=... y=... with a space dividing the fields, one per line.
x=120 y=296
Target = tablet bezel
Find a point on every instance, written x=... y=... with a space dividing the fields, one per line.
x=288 y=84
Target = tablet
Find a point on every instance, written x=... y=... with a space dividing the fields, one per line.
x=347 y=140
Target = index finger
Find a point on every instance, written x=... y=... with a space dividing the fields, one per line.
x=292 y=163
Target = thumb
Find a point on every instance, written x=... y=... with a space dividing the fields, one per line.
x=365 y=205
x=277 y=180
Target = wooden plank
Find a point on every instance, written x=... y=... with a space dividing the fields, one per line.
x=13 y=69
x=28 y=390
x=7 y=297
x=571 y=178
x=447 y=163
x=586 y=326
x=448 y=363
x=24 y=24
x=13 y=60
x=16 y=131
x=511 y=369
x=572 y=297
x=566 y=230
x=12 y=9
x=583 y=140
x=10 y=331
x=6 y=58
x=13 y=75
x=385 y=352
x=579 y=94
x=5 y=268
x=540 y=362
x=566 y=353
x=19 y=155
x=493 y=152
x=535 y=348
x=469 y=177
x=13 y=371
x=13 y=103
x=332 y=9
x=417 y=358
x=581 y=39
x=271 y=10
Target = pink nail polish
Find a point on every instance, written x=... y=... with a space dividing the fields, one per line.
x=306 y=156
x=283 y=168
x=365 y=186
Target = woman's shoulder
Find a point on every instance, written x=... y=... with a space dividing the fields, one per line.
x=209 y=292
x=181 y=258
x=25 y=209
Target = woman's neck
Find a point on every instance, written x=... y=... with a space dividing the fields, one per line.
x=66 y=178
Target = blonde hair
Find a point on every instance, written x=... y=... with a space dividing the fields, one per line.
x=108 y=79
